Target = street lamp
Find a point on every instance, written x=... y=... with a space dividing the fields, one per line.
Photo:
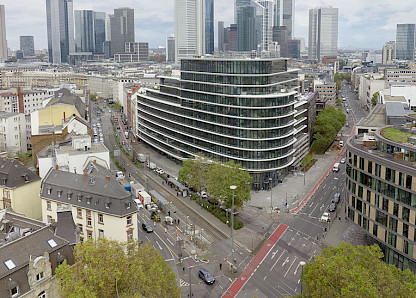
x=301 y=263
x=271 y=197
x=232 y=187
x=190 y=281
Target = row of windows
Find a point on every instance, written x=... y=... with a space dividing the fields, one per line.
x=155 y=126
x=178 y=114
x=258 y=165
x=408 y=155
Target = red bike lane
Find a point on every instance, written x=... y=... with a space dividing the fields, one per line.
x=238 y=284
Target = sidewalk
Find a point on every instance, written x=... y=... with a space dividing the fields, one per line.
x=295 y=187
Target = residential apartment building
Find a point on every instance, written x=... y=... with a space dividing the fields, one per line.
x=389 y=53
x=219 y=107
x=381 y=191
x=327 y=93
x=30 y=252
x=100 y=205
x=20 y=188
x=12 y=133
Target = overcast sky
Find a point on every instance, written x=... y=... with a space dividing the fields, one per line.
x=362 y=23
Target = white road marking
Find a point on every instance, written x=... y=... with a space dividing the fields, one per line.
x=159 y=245
x=170 y=241
x=287 y=260
x=290 y=266
x=277 y=260
x=274 y=253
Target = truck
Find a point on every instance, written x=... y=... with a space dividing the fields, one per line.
x=136 y=188
x=141 y=157
x=336 y=167
x=144 y=197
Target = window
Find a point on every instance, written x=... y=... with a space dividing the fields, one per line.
x=50 y=219
x=129 y=220
x=89 y=221
x=10 y=264
x=42 y=294
x=88 y=200
x=107 y=205
x=49 y=191
x=69 y=195
x=52 y=243
x=405 y=230
x=39 y=276
x=396 y=210
x=405 y=214
x=89 y=234
x=100 y=218
x=14 y=292
x=48 y=205
x=79 y=198
x=79 y=213
x=80 y=229
x=59 y=193
x=101 y=233
x=129 y=234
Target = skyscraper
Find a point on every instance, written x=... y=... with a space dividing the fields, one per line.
x=288 y=17
x=84 y=31
x=405 y=41
x=189 y=28
x=265 y=8
x=122 y=29
x=27 y=45
x=60 y=26
x=237 y=5
x=209 y=26
x=323 y=32
x=280 y=35
x=170 y=48
x=246 y=29
x=221 y=36
x=3 y=40
x=99 y=32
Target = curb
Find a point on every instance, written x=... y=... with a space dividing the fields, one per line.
x=312 y=192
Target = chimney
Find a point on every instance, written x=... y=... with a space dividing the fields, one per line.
x=107 y=177
x=57 y=167
x=64 y=117
x=20 y=100
x=85 y=175
x=95 y=161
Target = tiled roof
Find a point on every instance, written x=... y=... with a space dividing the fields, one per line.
x=14 y=174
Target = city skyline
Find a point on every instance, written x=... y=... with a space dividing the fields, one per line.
x=366 y=24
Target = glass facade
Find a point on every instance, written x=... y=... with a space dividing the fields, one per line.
x=227 y=109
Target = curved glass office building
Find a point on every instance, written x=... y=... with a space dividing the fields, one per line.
x=381 y=191
x=239 y=109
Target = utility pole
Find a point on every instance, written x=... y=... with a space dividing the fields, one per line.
x=232 y=187
x=190 y=283
x=194 y=230
x=271 y=197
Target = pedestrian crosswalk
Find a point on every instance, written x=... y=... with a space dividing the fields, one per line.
x=184 y=283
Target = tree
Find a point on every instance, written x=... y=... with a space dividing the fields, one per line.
x=222 y=176
x=374 y=99
x=194 y=172
x=356 y=271
x=327 y=124
x=106 y=268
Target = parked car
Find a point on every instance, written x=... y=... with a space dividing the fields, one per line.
x=336 y=198
x=138 y=204
x=206 y=276
x=204 y=194
x=332 y=207
x=147 y=227
x=342 y=160
x=324 y=217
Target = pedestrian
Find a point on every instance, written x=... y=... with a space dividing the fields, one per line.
x=183 y=269
x=178 y=221
x=220 y=266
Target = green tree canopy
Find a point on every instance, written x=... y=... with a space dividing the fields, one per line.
x=105 y=268
x=222 y=176
x=356 y=271
x=374 y=99
x=327 y=124
x=194 y=172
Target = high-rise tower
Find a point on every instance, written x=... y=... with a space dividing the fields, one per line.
x=323 y=32
x=405 y=41
x=84 y=30
x=60 y=27
x=209 y=26
x=122 y=29
x=3 y=40
x=190 y=25
x=27 y=45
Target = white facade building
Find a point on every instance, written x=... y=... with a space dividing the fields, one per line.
x=12 y=133
x=368 y=85
x=189 y=28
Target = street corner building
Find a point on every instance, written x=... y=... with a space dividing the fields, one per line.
x=229 y=109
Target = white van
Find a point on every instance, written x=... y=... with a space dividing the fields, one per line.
x=341 y=143
x=120 y=175
x=336 y=167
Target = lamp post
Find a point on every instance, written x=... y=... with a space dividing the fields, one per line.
x=232 y=187
x=301 y=263
x=271 y=197
x=190 y=283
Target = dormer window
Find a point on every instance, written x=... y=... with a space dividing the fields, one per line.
x=49 y=191
x=69 y=195
x=39 y=276
x=59 y=193
x=79 y=198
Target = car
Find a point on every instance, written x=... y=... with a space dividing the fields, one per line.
x=206 y=276
x=139 y=204
x=332 y=207
x=325 y=217
x=341 y=143
x=204 y=194
x=336 y=198
x=147 y=227
x=342 y=160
